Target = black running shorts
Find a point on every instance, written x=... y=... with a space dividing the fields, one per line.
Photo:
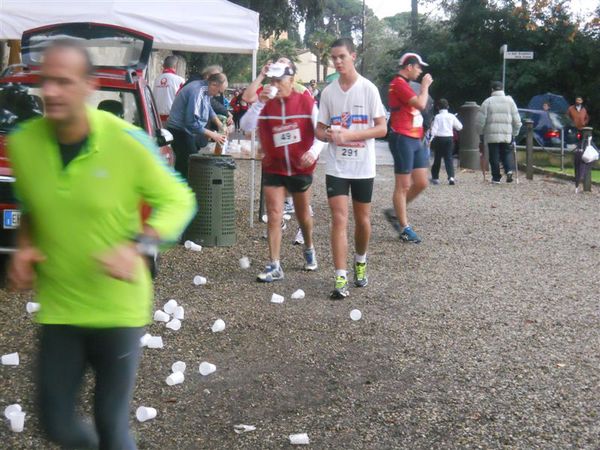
x=293 y=183
x=362 y=188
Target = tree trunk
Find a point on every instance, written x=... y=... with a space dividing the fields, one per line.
x=325 y=68
x=318 y=68
x=414 y=18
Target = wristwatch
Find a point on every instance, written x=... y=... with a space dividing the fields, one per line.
x=146 y=245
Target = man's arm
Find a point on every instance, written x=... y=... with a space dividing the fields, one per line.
x=344 y=135
x=420 y=101
x=21 y=269
x=250 y=95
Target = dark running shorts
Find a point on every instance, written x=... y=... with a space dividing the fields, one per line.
x=362 y=188
x=293 y=183
x=409 y=153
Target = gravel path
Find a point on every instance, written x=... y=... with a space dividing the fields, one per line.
x=483 y=336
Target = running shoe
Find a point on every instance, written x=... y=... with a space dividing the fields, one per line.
x=435 y=181
x=408 y=235
x=509 y=178
x=310 y=259
x=360 y=274
x=451 y=181
x=390 y=215
x=288 y=208
x=270 y=274
x=340 y=291
x=299 y=239
x=495 y=181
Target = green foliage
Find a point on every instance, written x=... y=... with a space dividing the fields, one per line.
x=281 y=48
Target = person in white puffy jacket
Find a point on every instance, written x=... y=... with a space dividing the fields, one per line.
x=498 y=124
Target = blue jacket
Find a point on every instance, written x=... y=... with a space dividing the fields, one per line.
x=191 y=110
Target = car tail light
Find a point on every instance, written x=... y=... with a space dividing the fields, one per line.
x=578 y=136
x=550 y=134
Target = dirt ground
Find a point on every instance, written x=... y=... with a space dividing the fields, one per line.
x=483 y=336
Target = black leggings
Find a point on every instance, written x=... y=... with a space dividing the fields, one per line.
x=442 y=148
x=113 y=354
x=184 y=145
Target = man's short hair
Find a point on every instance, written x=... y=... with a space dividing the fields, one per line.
x=211 y=70
x=170 y=62
x=578 y=96
x=496 y=85
x=217 y=78
x=72 y=44
x=443 y=103
x=344 y=42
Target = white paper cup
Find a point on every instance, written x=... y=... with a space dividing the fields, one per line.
x=272 y=91
x=10 y=359
x=192 y=246
x=207 y=368
x=144 y=413
x=155 y=342
x=161 y=316
x=355 y=314
x=170 y=306
x=175 y=378
x=178 y=366
x=299 y=439
x=179 y=313
x=11 y=409
x=299 y=294
x=244 y=262
x=198 y=280
x=32 y=307
x=276 y=298
x=174 y=324
x=17 y=421
x=335 y=127
x=144 y=339
x=218 y=326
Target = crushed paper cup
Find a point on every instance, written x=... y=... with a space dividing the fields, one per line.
x=192 y=246
x=178 y=366
x=175 y=378
x=179 y=313
x=10 y=359
x=17 y=421
x=144 y=413
x=161 y=316
x=32 y=307
x=206 y=368
x=355 y=314
x=241 y=428
x=170 y=306
x=299 y=294
x=144 y=339
x=198 y=280
x=218 y=326
x=244 y=262
x=174 y=324
x=155 y=342
x=276 y=298
x=299 y=439
x=10 y=409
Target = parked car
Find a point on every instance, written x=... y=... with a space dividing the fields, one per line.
x=547 y=128
x=119 y=55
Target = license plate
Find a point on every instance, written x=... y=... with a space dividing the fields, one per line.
x=12 y=218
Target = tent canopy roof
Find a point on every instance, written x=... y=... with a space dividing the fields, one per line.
x=215 y=26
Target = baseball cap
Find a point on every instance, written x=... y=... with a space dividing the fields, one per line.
x=411 y=58
x=279 y=70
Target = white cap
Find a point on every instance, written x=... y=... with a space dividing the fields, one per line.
x=279 y=70
x=406 y=56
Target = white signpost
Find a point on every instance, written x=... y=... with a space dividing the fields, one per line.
x=511 y=55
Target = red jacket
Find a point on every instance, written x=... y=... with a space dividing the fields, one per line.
x=287 y=120
x=580 y=118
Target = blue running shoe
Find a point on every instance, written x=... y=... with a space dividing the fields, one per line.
x=408 y=235
x=310 y=259
x=270 y=274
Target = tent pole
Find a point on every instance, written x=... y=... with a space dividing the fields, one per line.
x=253 y=152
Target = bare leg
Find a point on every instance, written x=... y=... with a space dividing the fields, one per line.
x=274 y=197
x=362 y=226
x=419 y=184
x=339 y=230
x=302 y=206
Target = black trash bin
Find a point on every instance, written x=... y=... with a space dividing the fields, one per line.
x=211 y=177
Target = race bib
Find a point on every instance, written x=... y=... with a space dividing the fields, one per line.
x=417 y=121
x=286 y=134
x=351 y=151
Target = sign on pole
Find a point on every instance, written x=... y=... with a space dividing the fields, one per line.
x=518 y=55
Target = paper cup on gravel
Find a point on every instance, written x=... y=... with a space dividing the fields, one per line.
x=192 y=246
x=175 y=378
x=10 y=409
x=155 y=342
x=10 y=359
x=179 y=313
x=244 y=262
x=355 y=314
x=199 y=281
x=170 y=306
x=32 y=307
x=174 y=324
x=206 y=368
x=178 y=366
x=218 y=326
x=144 y=339
x=17 y=421
x=161 y=316
x=276 y=298
x=144 y=413
x=299 y=294
x=299 y=439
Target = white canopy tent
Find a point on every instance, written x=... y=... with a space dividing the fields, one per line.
x=215 y=26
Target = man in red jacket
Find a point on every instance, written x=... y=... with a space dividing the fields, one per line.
x=578 y=114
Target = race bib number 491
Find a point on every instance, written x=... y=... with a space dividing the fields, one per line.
x=286 y=135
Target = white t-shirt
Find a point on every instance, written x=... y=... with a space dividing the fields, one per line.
x=166 y=87
x=355 y=109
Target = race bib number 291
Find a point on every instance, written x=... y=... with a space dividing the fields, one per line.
x=286 y=135
x=351 y=151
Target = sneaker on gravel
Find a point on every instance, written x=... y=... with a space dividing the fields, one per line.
x=360 y=274
x=509 y=178
x=310 y=259
x=270 y=274
x=408 y=235
x=288 y=208
x=451 y=181
x=435 y=181
x=495 y=181
x=340 y=291
x=299 y=239
x=390 y=216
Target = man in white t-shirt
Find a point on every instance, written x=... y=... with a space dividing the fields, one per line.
x=351 y=116
x=166 y=87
